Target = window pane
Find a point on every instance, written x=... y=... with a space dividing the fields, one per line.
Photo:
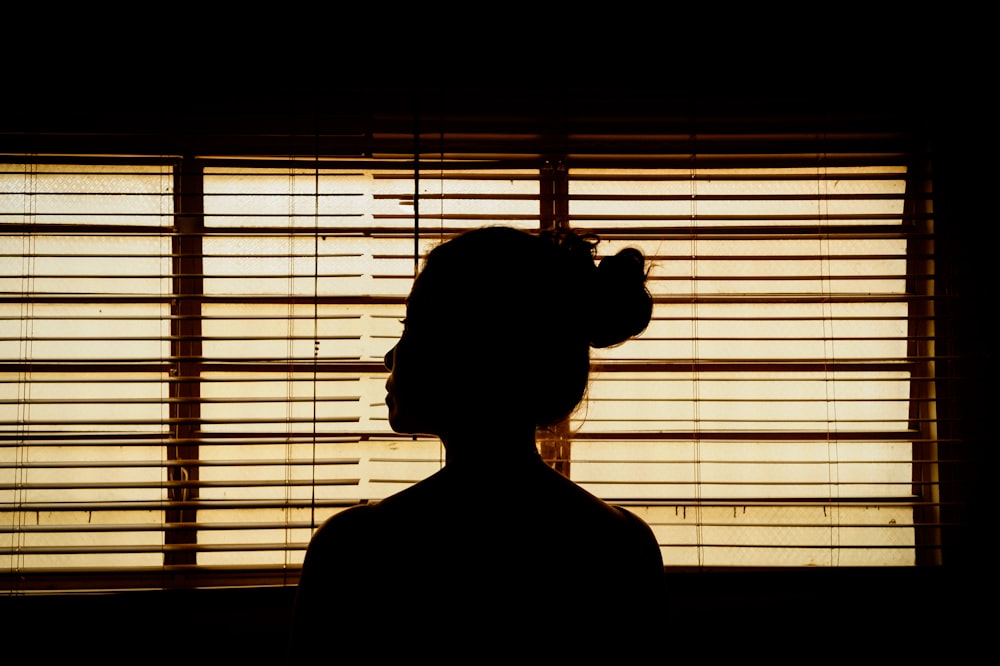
x=774 y=373
x=766 y=417
x=305 y=277
x=84 y=339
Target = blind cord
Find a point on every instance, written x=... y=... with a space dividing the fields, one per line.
x=290 y=375
x=829 y=355
x=695 y=379
x=316 y=343
x=24 y=380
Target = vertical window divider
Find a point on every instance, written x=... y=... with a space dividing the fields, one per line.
x=186 y=367
x=555 y=443
x=24 y=376
x=918 y=221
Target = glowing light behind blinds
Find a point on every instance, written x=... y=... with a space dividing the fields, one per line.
x=765 y=410
x=265 y=290
x=84 y=347
x=762 y=419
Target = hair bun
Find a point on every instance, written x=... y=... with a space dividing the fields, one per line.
x=622 y=305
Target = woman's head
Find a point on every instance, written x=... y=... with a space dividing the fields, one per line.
x=499 y=326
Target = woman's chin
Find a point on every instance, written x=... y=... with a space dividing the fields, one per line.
x=403 y=426
x=399 y=423
x=396 y=420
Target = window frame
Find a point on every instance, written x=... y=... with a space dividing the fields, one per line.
x=186 y=345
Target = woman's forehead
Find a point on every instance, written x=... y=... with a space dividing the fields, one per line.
x=424 y=296
x=434 y=284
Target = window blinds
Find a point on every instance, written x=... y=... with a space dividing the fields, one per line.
x=191 y=348
x=766 y=412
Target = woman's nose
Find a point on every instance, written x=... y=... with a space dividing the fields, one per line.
x=389 y=358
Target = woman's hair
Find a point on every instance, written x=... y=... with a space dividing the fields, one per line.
x=534 y=305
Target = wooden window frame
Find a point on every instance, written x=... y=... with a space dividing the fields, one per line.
x=186 y=350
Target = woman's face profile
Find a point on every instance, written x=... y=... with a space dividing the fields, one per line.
x=420 y=386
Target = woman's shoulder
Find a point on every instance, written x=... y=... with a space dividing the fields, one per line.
x=349 y=517
x=343 y=527
x=629 y=519
x=364 y=520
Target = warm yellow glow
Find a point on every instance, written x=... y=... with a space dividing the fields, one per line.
x=729 y=424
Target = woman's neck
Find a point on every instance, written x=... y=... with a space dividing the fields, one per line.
x=488 y=449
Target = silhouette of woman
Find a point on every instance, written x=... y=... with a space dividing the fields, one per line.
x=495 y=345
